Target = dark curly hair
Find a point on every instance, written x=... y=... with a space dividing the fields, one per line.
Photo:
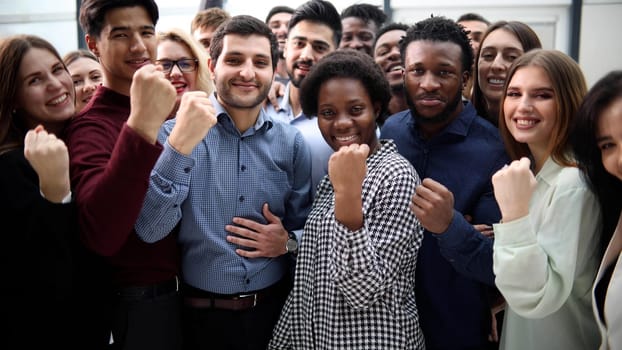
x=387 y=28
x=440 y=29
x=607 y=187
x=345 y=63
x=366 y=12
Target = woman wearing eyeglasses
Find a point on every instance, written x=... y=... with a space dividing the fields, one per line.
x=184 y=63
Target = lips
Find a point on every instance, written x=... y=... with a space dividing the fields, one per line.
x=58 y=100
x=394 y=67
x=139 y=61
x=496 y=81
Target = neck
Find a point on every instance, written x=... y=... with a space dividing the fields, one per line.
x=539 y=158
x=294 y=99
x=397 y=103
x=120 y=86
x=493 y=109
x=243 y=118
x=429 y=130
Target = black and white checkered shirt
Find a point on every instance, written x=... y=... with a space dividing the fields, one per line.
x=356 y=290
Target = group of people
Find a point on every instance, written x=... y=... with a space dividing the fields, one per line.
x=317 y=180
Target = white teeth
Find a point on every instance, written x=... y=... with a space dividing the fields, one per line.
x=59 y=99
x=397 y=68
x=523 y=122
x=496 y=81
x=345 y=138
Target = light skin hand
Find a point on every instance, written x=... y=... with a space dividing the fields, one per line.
x=152 y=98
x=276 y=90
x=347 y=168
x=268 y=241
x=49 y=158
x=195 y=117
x=513 y=186
x=433 y=204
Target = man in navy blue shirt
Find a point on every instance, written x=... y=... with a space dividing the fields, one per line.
x=456 y=152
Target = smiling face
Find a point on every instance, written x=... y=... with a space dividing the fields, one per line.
x=278 y=24
x=530 y=109
x=243 y=72
x=346 y=114
x=127 y=42
x=175 y=51
x=358 y=35
x=498 y=51
x=434 y=78
x=387 y=56
x=609 y=137
x=307 y=43
x=87 y=76
x=45 y=93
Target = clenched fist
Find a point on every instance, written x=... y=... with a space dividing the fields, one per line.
x=347 y=169
x=152 y=99
x=514 y=185
x=195 y=117
x=49 y=158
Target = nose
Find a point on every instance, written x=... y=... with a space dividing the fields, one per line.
x=89 y=87
x=525 y=104
x=175 y=71
x=307 y=53
x=342 y=121
x=394 y=54
x=499 y=63
x=138 y=44
x=429 y=82
x=247 y=71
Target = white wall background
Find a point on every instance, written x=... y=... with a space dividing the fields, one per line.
x=601 y=26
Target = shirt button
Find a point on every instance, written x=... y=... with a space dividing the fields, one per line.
x=241 y=198
x=186 y=170
x=243 y=167
x=248 y=281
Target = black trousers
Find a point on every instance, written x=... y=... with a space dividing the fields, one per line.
x=217 y=329
x=151 y=323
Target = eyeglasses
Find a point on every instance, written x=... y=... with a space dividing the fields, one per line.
x=184 y=65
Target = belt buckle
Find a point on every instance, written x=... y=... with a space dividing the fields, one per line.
x=254 y=295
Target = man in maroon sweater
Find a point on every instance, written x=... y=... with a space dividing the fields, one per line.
x=113 y=148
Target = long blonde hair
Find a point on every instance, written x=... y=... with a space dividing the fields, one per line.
x=204 y=82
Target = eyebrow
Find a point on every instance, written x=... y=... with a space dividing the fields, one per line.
x=603 y=138
x=122 y=28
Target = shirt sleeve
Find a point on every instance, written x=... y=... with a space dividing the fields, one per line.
x=298 y=204
x=365 y=262
x=467 y=250
x=536 y=269
x=168 y=189
x=110 y=177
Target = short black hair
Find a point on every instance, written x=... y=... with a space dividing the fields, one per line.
x=440 y=29
x=387 y=28
x=278 y=9
x=470 y=16
x=243 y=25
x=366 y=12
x=93 y=13
x=318 y=11
x=345 y=63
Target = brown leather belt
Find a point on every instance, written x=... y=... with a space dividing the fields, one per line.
x=235 y=302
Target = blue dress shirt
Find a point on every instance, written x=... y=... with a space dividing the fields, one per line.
x=454 y=269
x=228 y=174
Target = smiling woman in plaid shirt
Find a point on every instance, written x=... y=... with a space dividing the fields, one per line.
x=354 y=286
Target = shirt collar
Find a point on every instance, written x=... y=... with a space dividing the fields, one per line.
x=263 y=120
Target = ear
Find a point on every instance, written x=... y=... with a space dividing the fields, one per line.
x=466 y=75
x=377 y=110
x=212 y=65
x=91 y=43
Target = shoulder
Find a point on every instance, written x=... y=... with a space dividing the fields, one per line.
x=397 y=121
